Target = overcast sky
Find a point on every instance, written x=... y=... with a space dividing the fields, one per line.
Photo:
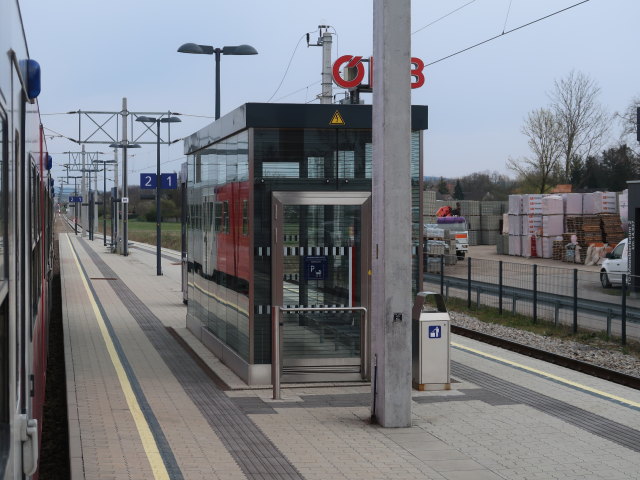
x=95 y=52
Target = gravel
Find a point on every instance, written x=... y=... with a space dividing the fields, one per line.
x=597 y=355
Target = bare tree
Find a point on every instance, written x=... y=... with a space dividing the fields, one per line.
x=545 y=140
x=629 y=121
x=583 y=121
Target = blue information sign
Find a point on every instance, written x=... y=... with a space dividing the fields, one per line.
x=169 y=181
x=315 y=267
x=148 y=181
x=435 y=331
x=76 y=199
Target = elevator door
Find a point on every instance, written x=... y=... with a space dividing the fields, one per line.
x=322 y=246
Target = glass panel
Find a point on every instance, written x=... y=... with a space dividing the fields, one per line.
x=321 y=269
x=219 y=246
x=3 y=196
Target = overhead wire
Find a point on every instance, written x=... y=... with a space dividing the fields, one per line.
x=288 y=65
x=507 y=17
x=505 y=33
x=443 y=17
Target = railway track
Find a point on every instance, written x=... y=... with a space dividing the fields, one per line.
x=584 y=367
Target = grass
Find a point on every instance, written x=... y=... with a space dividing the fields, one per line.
x=145 y=232
x=543 y=327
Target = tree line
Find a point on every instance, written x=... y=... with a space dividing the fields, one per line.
x=572 y=140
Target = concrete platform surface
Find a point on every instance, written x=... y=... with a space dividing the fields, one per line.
x=141 y=407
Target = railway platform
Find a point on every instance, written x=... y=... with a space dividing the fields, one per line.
x=147 y=401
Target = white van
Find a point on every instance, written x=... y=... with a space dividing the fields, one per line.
x=615 y=265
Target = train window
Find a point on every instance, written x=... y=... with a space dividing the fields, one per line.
x=225 y=216
x=4 y=154
x=218 y=217
x=245 y=217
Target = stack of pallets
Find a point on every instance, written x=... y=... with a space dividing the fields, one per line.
x=592 y=233
x=611 y=226
x=558 y=249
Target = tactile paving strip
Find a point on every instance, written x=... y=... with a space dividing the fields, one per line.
x=256 y=455
x=590 y=422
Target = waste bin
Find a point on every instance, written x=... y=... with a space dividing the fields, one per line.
x=431 y=328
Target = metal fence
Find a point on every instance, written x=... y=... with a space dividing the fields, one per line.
x=563 y=296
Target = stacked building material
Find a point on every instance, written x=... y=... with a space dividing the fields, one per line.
x=552 y=222
x=592 y=233
x=515 y=225
x=599 y=202
x=558 y=249
x=612 y=232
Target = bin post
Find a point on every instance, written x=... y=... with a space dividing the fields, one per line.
x=500 y=287
x=442 y=274
x=469 y=282
x=535 y=293
x=275 y=351
x=575 y=300
x=624 y=310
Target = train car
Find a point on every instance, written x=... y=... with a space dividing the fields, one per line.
x=220 y=233
x=26 y=251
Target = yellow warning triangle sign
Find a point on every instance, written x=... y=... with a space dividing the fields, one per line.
x=337 y=119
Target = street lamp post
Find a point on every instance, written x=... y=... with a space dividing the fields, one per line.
x=209 y=50
x=158 y=121
x=124 y=145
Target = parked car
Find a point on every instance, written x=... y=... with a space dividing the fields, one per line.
x=615 y=265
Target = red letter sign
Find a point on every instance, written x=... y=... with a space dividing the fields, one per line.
x=416 y=71
x=353 y=62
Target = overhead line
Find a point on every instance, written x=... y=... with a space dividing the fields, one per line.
x=505 y=33
x=443 y=17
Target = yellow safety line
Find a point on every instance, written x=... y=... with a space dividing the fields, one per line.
x=148 y=442
x=548 y=375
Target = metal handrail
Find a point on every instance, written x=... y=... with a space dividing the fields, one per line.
x=275 y=338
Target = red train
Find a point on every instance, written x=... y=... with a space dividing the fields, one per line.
x=219 y=234
x=26 y=252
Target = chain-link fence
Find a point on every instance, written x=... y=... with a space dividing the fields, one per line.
x=571 y=297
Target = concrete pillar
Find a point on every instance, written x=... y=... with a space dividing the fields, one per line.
x=327 y=90
x=391 y=277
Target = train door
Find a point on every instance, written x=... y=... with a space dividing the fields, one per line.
x=321 y=260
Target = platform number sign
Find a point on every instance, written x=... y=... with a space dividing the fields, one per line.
x=148 y=181
x=169 y=181
x=435 y=331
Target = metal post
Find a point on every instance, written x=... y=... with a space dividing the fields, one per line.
x=104 y=203
x=441 y=274
x=83 y=188
x=575 y=300
x=125 y=187
x=469 y=282
x=158 y=217
x=624 y=310
x=535 y=293
x=217 y=52
x=275 y=351
x=500 y=287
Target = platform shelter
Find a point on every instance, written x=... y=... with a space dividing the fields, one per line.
x=279 y=213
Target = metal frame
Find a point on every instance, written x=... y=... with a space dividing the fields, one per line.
x=363 y=199
x=276 y=367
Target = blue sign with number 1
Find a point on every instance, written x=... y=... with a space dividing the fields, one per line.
x=169 y=181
